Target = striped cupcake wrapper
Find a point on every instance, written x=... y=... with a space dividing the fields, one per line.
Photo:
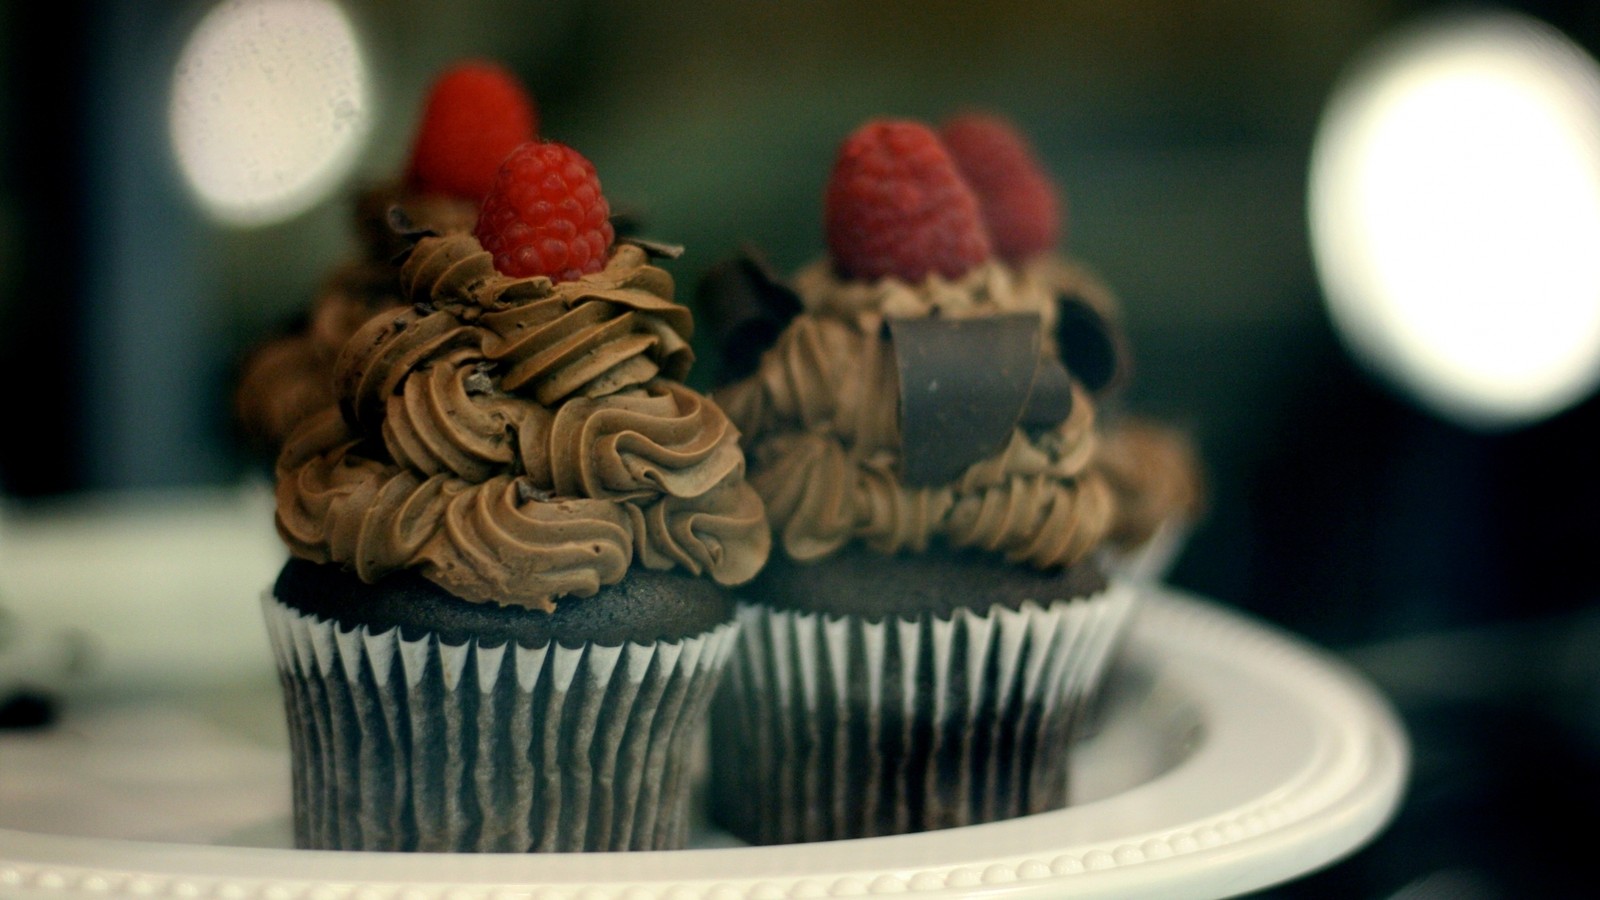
x=830 y=727
x=415 y=744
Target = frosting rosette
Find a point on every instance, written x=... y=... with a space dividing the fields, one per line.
x=988 y=288
x=822 y=415
x=518 y=440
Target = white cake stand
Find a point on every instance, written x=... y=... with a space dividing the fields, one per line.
x=1228 y=757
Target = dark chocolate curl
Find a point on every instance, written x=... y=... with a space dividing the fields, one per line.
x=1088 y=345
x=963 y=386
x=626 y=223
x=653 y=248
x=747 y=306
x=1050 y=401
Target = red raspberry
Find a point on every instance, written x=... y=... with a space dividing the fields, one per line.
x=545 y=214
x=476 y=113
x=1021 y=204
x=895 y=205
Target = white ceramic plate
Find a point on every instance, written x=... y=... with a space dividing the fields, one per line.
x=1228 y=756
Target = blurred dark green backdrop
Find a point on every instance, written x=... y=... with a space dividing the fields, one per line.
x=1179 y=131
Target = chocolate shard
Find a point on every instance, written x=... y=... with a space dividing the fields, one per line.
x=653 y=248
x=1088 y=344
x=746 y=305
x=627 y=223
x=963 y=386
x=528 y=492
x=1050 y=401
x=478 y=382
x=400 y=222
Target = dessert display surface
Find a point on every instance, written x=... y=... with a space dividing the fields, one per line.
x=1226 y=756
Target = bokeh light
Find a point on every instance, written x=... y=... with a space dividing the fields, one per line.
x=270 y=107
x=1455 y=217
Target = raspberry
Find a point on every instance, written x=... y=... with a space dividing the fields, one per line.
x=545 y=214
x=476 y=113
x=1021 y=204
x=895 y=205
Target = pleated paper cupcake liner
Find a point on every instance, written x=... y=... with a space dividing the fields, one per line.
x=829 y=727
x=417 y=744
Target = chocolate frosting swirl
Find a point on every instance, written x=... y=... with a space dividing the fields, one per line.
x=821 y=420
x=519 y=441
x=987 y=289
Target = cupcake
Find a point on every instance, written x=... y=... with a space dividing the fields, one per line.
x=1151 y=466
x=937 y=610
x=511 y=541
x=475 y=113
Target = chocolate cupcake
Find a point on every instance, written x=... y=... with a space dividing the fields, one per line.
x=918 y=653
x=474 y=114
x=512 y=539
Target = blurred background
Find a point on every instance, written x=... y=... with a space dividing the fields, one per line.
x=1395 y=404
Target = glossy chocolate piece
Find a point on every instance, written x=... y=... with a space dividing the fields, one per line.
x=964 y=384
x=1088 y=345
x=747 y=305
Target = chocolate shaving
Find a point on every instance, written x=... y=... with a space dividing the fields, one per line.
x=654 y=249
x=626 y=223
x=528 y=492
x=1087 y=343
x=478 y=382
x=400 y=223
x=964 y=384
x=746 y=304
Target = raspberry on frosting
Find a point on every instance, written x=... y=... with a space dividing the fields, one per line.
x=475 y=114
x=545 y=214
x=896 y=205
x=1021 y=203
